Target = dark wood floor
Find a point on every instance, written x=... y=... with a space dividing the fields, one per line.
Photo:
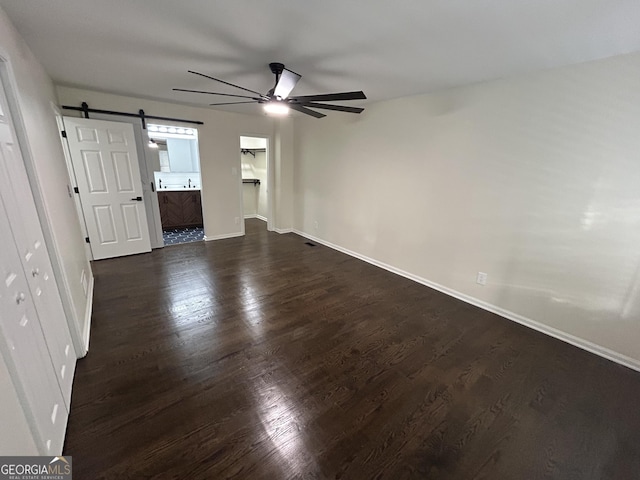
x=263 y=357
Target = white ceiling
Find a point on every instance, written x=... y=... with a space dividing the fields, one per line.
x=388 y=48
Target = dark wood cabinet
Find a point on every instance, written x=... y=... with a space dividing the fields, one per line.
x=180 y=209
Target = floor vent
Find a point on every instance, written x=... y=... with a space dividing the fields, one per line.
x=310 y=244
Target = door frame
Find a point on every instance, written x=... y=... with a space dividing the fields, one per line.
x=72 y=179
x=13 y=101
x=270 y=179
x=154 y=166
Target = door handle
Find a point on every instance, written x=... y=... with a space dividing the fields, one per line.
x=137 y=199
x=21 y=297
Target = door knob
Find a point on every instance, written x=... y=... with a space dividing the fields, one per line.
x=137 y=199
x=21 y=297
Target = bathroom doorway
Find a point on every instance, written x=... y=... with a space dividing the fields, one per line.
x=254 y=160
x=178 y=182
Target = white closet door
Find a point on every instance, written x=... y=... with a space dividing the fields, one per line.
x=23 y=345
x=15 y=191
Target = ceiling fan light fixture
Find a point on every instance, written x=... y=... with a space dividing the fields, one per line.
x=276 y=107
x=277 y=101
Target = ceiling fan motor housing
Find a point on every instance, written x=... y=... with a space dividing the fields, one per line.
x=276 y=68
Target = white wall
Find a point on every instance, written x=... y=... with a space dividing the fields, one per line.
x=47 y=169
x=219 y=146
x=253 y=143
x=249 y=201
x=176 y=181
x=260 y=172
x=533 y=180
x=249 y=197
x=283 y=173
x=183 y=155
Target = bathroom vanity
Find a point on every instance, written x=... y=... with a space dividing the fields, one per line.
x=180 y=208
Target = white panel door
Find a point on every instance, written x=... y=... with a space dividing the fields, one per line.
x=21 y=209
x=24 y=347
x=26 y=231
x=106 y=167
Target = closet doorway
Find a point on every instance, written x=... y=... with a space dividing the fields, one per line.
x=254 y=160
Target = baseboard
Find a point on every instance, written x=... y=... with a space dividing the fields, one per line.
x=283 y=230
x=255 y=215
x=527 y=322
x=223 y=236
x=86 y=335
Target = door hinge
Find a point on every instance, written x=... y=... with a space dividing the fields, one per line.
x=63 y=133
x=86 y=239
x=75 y=189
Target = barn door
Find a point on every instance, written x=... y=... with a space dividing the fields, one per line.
x=105 y=163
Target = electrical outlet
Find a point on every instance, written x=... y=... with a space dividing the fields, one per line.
x=315 y=224
x=481 y=278
x=237 y=220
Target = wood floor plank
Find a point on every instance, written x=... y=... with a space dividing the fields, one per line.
x=263 y=357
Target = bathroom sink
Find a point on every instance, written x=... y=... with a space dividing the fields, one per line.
x=176 y=188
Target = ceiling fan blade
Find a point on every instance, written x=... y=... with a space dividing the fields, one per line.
x=302 y=109
x=232 y=103
x=226 y=83
x=329 y=97
x=212 y=93
x=286 y=82
x=338 y=108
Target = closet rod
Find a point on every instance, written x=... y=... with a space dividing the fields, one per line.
x=141 y=115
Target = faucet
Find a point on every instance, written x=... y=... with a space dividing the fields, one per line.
x=189 y=183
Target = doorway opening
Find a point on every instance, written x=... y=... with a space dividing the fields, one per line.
x=178 y=182
x=255 y=164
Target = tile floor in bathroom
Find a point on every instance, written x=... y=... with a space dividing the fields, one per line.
x=174 y=236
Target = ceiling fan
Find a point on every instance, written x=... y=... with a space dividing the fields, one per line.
x=278 y=101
